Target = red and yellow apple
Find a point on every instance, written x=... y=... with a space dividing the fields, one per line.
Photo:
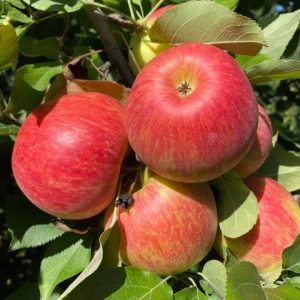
x=191 y=115
x=68 y=154
x=277 y=226
x=142 y=48
x=260 y=148
x=170 y=226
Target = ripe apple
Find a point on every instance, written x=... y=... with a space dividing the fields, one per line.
x=277 y=227
x=68 y=154
x=143 y=49
x=170 y=226
x=260 y=148
x=191 y=115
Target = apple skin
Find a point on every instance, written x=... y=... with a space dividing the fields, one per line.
x=277 y=227
x=200 y=135
x=143 y=49
x=260 y=149
x=169 y=228
x=68 y=154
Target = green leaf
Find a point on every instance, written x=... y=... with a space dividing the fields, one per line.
x=31 y=82
x=294 y=281
x=105 y=257
x=214 y=272
x=191 y=293
x=30 y=226
x=124 y=283
x=279 y=33
x=18 y=16
x=270 y=70
x=8 y=46
x=31 y=47
x=8 y=129
x=248 y=61
x=210 y=23
x=244 y=284
x=16 y=3
x=232 y=4
x=64 y=258
x=237 y=206
x=282 y=166
x=284 y=291
x=29 y=291
x=291 y=257
x=56 y=5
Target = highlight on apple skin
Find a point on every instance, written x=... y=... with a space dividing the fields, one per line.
x=68 y=154
x=169 y=228
x=277 y=227
x=260 y=148
x=143 y=49
x=196 y=118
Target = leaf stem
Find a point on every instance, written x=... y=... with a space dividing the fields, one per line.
x=155 y=7
x=216 y=290
x=131 y=10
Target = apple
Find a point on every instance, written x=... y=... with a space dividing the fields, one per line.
x=260 y=148
x=68 y=154
x=191 y=115
x=277 y=227
x=169 y=227
x=143 y=49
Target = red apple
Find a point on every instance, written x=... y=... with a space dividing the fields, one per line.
x=68 y=154
x=260 y=149
x=277 y=227
x=170 y=226
x=191 y=115
x=143 y=49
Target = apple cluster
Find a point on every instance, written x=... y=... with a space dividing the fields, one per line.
x=191 y=116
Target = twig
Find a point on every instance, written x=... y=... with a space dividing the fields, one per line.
x=99 y=20
x=119 y=20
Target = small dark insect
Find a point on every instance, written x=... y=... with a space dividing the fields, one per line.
x=125 y=201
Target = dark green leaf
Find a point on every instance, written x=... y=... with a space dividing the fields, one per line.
x=56 y=5
x=210 y=23
x=284 y=167
x=28 y=291
x=191 y=293
x=279 y=33
x=30 y=226
x=214 y=272
x=291 y=257
x=284 y=292
x=48 y=47
x=8 y=46
x=237 y=206
x=64 y=258
x=270 y=70
x=31 y=82
x=123 y=283
x=244 y=283
x=8 y=129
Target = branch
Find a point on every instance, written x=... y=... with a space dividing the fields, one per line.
x=100 y=22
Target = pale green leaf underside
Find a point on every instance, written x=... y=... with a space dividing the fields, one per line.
x=279 y=33
x=274 y=70
x=282 y=166
x=210 y=23
x=237 y=206
x=244 y=283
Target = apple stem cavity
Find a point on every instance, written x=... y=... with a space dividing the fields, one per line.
x=184 y=88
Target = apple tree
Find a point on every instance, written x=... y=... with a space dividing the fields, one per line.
x=150 y=149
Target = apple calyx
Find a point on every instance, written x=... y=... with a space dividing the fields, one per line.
x=124 y=201
x=184 y=88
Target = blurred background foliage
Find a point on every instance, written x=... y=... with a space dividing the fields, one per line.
x=68 y=35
